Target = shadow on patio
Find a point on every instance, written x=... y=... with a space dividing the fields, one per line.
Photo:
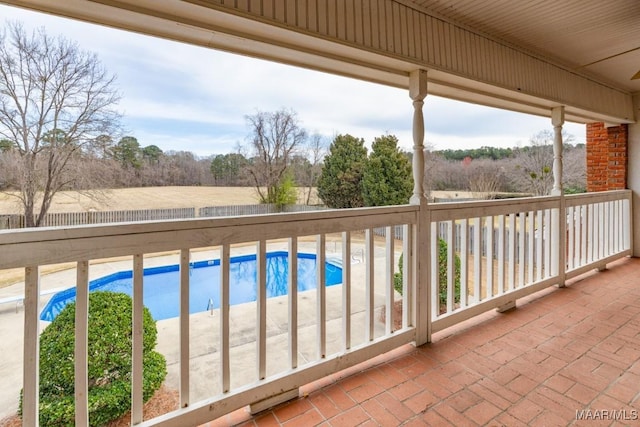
x=561 y=355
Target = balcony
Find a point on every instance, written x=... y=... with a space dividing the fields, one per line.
x=533 y=361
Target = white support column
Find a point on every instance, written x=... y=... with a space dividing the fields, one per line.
x=559 y=216
x=420 y=257
x=417 y=92
x=557 y=119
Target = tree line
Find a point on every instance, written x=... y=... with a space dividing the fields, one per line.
x=527 y=169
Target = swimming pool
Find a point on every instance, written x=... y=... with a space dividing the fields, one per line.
x=162 y=289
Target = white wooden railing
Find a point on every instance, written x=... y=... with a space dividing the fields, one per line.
x=499 y=251
x=506 y=250
x=366 y=291
x=598 y=229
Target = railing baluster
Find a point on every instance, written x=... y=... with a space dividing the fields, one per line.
x=224 y=318
x=389 y=291
x=464 y=262
x=435 y=269
x=321 y=296
x=601 y=233
x=547 y=242
x=81 y=351
x=615 y=226
x=610 y=237
x=539 y=238
x=31 y=367
x=346 y=290
x=477 y=259
x=597 y=231
x=293 y=302
x=576 y=225
x=627 y=223
x=622 y=224
x=451 y=239
x=611 y=224
x=185 y=269
x=138 y=344
x=606 y=206
x=408 y=276
x=590 y=227
x=512 y=252
x=261 y=306
x=570 y=238
x=501 y=257
x=369 y=285
x=579 y=236
x=522 y=230
x=531 y=218
x=490 y=230
x=584 y=222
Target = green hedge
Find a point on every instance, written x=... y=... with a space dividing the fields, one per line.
x=109 y=370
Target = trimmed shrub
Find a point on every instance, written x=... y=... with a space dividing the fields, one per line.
x=109 y=370
x=397 y=277
x=442 y=274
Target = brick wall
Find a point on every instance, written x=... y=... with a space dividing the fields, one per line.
x=606 y=157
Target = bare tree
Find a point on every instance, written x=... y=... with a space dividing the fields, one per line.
x=574 y=169
x=533 y=171
x=316 y=151
x=435 y=168
x=56 y=101
x=275 y=138
x=486 y=178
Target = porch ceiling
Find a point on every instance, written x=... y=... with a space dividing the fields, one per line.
x=588 y=36
x=523 y=56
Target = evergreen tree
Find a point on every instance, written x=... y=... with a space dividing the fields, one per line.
x=128 y=152
x=226 y=168
x=387 y=177
x=340 y=183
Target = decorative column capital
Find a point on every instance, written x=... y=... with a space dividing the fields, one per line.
x=418 y=85
x=557 y=116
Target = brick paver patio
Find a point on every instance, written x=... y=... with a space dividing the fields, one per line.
x=561 y=351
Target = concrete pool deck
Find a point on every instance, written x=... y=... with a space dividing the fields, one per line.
x=204 y=326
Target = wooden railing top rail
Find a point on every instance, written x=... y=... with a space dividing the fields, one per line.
x=56 y=245
x=601 y=196
x=464 y=210
x=473 y=209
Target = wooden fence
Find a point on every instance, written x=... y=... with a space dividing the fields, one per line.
x=66 y=219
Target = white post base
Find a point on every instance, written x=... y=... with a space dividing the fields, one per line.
x=272 y=401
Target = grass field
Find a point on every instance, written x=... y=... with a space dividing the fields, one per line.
x=143 y=198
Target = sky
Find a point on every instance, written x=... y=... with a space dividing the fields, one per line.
x=182 y=97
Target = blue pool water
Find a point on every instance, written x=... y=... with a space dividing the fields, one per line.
x=161 y=284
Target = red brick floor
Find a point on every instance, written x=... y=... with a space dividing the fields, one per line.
x=561 y=351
